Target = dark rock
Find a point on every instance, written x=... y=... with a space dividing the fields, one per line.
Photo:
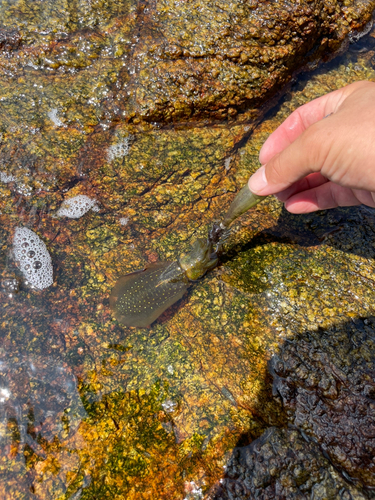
x=282 y=465
x=326 y=380
x=9 y=39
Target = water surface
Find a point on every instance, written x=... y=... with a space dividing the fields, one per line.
x=90 y=408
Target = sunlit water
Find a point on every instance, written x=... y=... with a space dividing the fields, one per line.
x=92 y=409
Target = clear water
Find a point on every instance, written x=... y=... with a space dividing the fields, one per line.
x=90 y=408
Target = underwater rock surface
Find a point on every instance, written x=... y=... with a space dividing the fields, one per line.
x=326 y=381
x=176 y=61
x=162 y=407
x=81 y=84
x=282 y=465
x=213 y=59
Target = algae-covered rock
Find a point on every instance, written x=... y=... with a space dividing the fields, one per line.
x=211 y=60
x=170 y=61
x=163 y=406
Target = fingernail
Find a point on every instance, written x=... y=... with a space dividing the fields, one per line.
x=258 y=181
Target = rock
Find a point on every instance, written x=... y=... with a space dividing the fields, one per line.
x=282 y=465
x=200 y=60
x=71 y=99
x=238 y=57
x=326 y=380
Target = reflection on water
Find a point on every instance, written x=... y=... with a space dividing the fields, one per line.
x=39 y=396
x=94 y=409
x=40 y=408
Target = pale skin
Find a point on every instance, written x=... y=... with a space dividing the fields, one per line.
x=323 y=155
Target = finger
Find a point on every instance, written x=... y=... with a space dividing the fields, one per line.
x=309 y=182
x=296 y=123
x=303 y=117
x=304 y=156
x=325 y=196
x=312 y=149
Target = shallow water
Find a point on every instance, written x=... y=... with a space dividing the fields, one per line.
x=93 y=409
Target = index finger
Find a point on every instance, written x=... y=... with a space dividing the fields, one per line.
x=301 y=119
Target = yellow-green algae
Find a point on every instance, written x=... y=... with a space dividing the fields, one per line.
x=166 y=405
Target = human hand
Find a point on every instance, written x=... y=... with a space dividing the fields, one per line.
x=313 y=164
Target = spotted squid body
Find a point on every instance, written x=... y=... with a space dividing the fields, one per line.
x=139 y=298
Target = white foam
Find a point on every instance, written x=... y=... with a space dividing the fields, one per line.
x=33 y=258
x=169 y=406
x=77 y=206
x=52 y=115
x=119 y=150
x=227 y=163
x=6 y=178
x=193 y=491
x=124 y=220
x=4 y=394
x=21 y=188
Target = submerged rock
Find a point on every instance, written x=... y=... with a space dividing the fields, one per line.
x=176 y=61
x=282 y=465
x=326 y=380
x=164 y=406
x=205 y=59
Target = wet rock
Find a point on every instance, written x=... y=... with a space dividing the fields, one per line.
x=35 y=391
x=237 y=58
x=282 y=465
x=326 y=380
x=9 y=39
x=65 y=133
x=78 y=84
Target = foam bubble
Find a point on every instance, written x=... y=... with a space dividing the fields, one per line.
x=33 y=258
x=77 y=206
x=119 y=150
x=124 y=220
x=194 y=492
x=21 y=187
x=169 y=406
x=227 y=163
x=6 y=178
x=52 y=115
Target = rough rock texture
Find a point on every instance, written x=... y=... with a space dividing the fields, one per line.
x=173 y=61
x=326 y=381
x=240 y=53
x=282 y=465
x=80 y=79
x=163 y=406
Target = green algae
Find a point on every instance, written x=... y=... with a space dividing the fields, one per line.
x=247 y=270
